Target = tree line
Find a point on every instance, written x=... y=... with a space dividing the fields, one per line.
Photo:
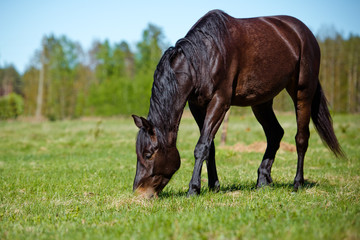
x=63 y=81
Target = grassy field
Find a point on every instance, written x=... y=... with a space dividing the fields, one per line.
x=73 y=180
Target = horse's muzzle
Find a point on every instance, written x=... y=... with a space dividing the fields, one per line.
x=147 y=193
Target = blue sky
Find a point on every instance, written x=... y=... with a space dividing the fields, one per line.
x=23 y=23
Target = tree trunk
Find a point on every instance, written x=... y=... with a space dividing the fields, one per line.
x=224 y=129
x=39 y=99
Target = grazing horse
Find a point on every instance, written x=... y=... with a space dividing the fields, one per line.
x=224 y=61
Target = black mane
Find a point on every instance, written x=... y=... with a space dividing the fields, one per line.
x=212 y=28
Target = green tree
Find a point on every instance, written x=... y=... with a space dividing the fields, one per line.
x=10 y=81
x=109 y=87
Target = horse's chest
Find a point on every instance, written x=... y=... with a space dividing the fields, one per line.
x=201 y=96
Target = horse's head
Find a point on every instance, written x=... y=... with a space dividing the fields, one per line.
x=156 y=162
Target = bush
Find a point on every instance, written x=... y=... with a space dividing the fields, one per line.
x=11 y=106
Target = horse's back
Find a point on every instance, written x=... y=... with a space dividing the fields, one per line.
x=282 y=29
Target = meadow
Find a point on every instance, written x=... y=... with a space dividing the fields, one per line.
x=73 y=180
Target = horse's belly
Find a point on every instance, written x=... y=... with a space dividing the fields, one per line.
x=251 y=98
x=252 y=89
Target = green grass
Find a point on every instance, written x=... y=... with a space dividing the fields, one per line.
x=73 y=180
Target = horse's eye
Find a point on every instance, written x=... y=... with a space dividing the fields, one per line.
x=148 y=155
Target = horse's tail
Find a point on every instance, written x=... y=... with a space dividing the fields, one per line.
x=323 y=122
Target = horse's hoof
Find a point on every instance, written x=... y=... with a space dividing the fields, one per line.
x=298 y=184
x=216 y=187
x=263 y=182
x=193 y=192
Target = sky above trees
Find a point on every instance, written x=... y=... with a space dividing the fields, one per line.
x=24 y=23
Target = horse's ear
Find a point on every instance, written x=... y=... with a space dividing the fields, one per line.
x=141 y=122
x=137 y=121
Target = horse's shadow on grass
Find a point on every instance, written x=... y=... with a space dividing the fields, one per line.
x=275 y=185
x=241 y=187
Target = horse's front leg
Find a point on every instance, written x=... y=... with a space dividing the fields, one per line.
x=199 y=114
x=215 y=114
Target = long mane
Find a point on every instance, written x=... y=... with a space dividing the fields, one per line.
x=205 y=39
x=163 y=95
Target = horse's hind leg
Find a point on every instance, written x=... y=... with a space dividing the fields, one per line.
x=302 y=95
x=265 y=115
x=199 y=115
x=303 y=113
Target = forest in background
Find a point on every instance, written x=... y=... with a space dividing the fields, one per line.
x=64 y=81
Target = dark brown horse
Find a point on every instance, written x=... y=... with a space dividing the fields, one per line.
x=225 y=61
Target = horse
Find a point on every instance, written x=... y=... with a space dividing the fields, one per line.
x=221 y=62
